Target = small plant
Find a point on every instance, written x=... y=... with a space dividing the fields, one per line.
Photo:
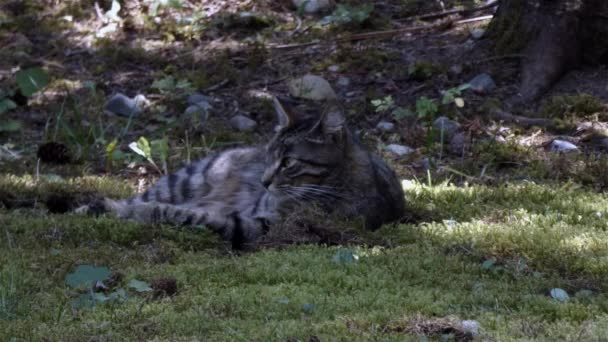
x=29 y=81
x=452 y=95
x=387 y=103
x=426 y=108
x=347 y=14
x=145 y=149
x=170 y=85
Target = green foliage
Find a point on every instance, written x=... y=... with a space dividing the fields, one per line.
x=452 y=95
x=579 y=106
x=87 y=274
x=169 y=85
x=422 y=70
x=347 y=14
x=139 y=286
x=426 y=108
x=6 y=105
x=32 y=80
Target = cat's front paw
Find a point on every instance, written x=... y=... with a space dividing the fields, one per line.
x=95 y=207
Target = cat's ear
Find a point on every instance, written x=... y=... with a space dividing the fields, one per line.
x=285 y=115
x=331 y=124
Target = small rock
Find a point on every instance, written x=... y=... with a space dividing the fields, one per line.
x=333 y=68
x=400 y=150
x=313 y=6
x=448 y=126
x=200 y=99
x=456 y=69
x=243 y=123
x=385 y=126
x=470 y=326
x=562 y=146
x=124 y=106
x=477 y=33
x=458 y=143
x=351 y=93
x=311 y=87
x=343 y=81
x=482 y=84
x=196 y=111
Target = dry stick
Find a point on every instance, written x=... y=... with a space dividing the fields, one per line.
x=521 y=120
x=365 y=35
x=437 y=15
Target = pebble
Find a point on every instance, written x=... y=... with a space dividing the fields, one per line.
x=477 y=33
x=343 y=81
x=448 y=126
x=482 y=84
x=385 y=126
x=470 y=326
x=312 y=6
x=562 y=146
x=243 y=123
x=400 y=150
x=122 y=105
x=311 y=87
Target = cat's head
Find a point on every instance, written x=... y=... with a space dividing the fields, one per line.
x=309 y=152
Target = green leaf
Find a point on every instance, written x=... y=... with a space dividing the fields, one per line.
x=84 y=301
x=6 y=105
x=32 y=80
x=10 y=126
x=139 y=286
x=164 y=84
x=142 y=147
x=86 y=274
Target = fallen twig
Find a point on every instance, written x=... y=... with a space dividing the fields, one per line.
x=462 y=11
x=365 y=35
x=521 y=120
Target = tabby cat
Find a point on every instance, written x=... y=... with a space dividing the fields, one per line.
x=240 y=192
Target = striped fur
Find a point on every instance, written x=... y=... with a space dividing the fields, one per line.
x=238 y=193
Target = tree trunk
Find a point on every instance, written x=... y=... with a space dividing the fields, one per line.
x=554 y=36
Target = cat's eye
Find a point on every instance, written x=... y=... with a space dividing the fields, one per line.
x=288 y=162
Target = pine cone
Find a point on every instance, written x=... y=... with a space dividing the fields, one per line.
x=164 y=287
x=53 y=152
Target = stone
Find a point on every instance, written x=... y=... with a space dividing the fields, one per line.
x=448 y=126
x=482 y=84
x=385 y=126
x=458 y=143
x=311 y=87
x=456 y=69
x=196 y=111
x=200 y=99
x=333 y=68
x=313 y=6
x=122 y=105
x=477 y=33
x=399 y=150
x=343 y=81
x=562 y=146
x=242 y=123
x=470 y=326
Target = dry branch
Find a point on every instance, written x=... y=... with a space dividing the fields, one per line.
x=523 y=121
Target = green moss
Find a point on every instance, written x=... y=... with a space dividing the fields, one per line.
x=507 y=29
x=577 y=106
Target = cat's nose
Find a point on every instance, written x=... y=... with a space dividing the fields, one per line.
x=266 y=182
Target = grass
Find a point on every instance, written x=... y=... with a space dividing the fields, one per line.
x=539 y=237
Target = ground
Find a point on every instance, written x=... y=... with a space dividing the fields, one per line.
x=501 y=230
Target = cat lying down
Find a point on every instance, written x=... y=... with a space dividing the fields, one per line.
x=239 y=192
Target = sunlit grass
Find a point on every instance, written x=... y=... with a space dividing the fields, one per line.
x=539 y=237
